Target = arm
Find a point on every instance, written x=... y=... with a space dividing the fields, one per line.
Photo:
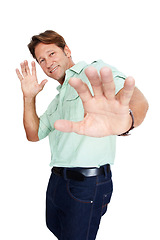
x=104 y=113
x=30 y=120
x=30 y=89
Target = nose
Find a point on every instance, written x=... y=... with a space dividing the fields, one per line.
x=49 y=63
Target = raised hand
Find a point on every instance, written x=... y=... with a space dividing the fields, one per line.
x=104 y=114
x=29 y=83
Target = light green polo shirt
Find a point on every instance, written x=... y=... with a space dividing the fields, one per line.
x=71 y=149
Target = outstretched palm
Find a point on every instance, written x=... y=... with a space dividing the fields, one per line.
x=29 y=83
x=104 y=114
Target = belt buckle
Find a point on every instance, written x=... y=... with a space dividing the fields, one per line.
x=74 y=175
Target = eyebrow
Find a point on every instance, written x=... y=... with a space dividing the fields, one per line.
x=46 y=52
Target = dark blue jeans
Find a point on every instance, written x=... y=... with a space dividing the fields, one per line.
x=74 y=208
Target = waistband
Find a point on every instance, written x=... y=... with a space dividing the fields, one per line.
x=80 y=173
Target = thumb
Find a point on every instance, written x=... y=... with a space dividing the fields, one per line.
x=42 y=84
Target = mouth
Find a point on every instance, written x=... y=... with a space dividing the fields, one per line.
x=54 y=69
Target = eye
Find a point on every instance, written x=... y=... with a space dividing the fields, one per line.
x=41 y=61
x=52 y=53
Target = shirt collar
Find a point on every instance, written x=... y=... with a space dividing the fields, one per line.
x=77 y=68
x=59 y=88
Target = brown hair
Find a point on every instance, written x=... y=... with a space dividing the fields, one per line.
x=47 y=37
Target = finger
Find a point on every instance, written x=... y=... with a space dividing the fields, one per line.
x=27 y=67
x=95 y=80
x=69 y=126
x=108 y=83
x=127 y=91
x=19 y=74
x=33 y=68
x=81 y=88
x=42 y=84
x=23 y=69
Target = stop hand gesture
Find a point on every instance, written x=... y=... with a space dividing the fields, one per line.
x=104 y=113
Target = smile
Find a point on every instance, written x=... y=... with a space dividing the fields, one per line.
x=54 y=69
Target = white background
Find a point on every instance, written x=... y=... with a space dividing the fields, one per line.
x=124 y=34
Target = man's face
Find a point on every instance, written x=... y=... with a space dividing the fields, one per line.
x=53 y=60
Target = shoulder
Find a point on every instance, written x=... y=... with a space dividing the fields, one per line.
x=100 y=63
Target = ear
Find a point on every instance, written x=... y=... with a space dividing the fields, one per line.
x=67 y=51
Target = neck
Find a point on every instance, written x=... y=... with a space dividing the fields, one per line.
x=70 y=64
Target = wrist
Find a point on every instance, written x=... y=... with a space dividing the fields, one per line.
x=131 y=124
x=29 y=99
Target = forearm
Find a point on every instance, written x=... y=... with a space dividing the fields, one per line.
x=30 y=120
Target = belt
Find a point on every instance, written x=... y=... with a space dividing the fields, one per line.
x=80 y=173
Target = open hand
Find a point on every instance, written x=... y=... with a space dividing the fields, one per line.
x=29 y=83
x=104 y=114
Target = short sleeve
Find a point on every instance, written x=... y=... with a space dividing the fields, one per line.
x=44 y=126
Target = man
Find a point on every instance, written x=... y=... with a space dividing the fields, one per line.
x=95 y=103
